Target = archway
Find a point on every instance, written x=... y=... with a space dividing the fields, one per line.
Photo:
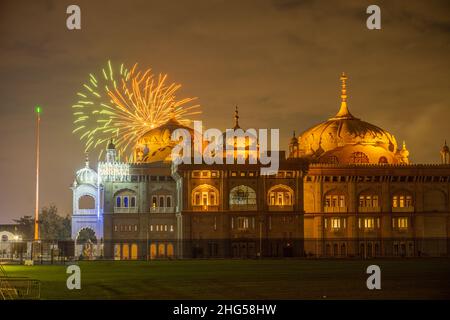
x=85 y=242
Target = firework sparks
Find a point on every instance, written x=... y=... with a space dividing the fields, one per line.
x=123 y=104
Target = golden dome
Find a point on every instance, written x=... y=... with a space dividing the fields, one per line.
x=347 y=139
x=156 y=144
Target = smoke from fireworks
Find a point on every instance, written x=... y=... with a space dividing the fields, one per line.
x=123 y=104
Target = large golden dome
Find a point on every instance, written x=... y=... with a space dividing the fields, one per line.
x=156 y=144
x=347 y=139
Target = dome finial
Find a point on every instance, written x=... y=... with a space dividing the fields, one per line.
x=86 y=160
x=236 y=118
x=445 y=153
x=343 y=111
x=172 y=111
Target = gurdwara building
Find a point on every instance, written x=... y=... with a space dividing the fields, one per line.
x=345 y=188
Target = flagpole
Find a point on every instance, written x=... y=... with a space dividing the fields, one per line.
x=36 y=210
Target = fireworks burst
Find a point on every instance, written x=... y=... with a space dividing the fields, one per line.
x=123 y=104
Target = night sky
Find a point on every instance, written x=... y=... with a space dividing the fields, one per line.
x=279 y=61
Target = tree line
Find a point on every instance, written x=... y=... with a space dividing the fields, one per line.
x=52 y=226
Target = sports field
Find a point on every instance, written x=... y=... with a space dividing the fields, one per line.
x=244 y=279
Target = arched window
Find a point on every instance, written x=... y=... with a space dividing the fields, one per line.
x=205 y=195
x=335 y=199
x=402 y=200
x=382 y=160
x=126 y=201
x=86 y=202
x=280 y=195
x=368 y=199
x=161 y=200
x=359 y=157
x=242 y=196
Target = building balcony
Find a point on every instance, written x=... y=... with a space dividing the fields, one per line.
x=403 y=209
x=243 y=207
x=162 y=209
x=86 y=212
x=281 y=208
x=369 y=209
x=335 y=209
x=125 y=209
x=205 y=208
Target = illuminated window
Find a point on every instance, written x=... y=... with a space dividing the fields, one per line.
x=369 y=223
x=402 y=201
x=154 y=202
x=280 y=196
x=400 y=223
x=335 y=201
x=242 y=223
x=359 y=157
x=335 y=223
x=205 y=195
x=368 y=201
x=171 y=228
x=126 y=199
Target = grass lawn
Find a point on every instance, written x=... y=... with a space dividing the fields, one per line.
x=244 y=279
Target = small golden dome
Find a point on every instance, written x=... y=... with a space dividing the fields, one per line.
x=347 y=139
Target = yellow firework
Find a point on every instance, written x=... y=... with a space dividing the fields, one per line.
x=123 y=104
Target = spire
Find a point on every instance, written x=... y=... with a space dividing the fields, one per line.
x=86 y=160
x=294 y=139
x=445 y=148
x=236 y=118
x=445 y=153
x=343 y=111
